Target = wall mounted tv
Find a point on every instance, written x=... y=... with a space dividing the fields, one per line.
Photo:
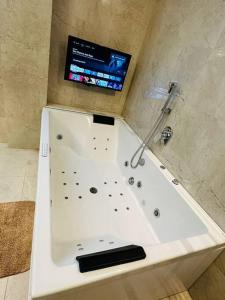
x=95 y=65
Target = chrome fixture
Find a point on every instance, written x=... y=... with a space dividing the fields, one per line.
x=166 y=135
x=131 y=180
x=173 y=91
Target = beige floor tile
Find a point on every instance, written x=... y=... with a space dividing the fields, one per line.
x=32 y=166
x=210 y=286
x=29 y=188
x=11 y=188
x=16 y=162
x=3 y=146
x=181 y=296
x=17 y=287
x=14 y=186
x=27 y=153
x=3 y=285
x=220 y=262
x=12 y=166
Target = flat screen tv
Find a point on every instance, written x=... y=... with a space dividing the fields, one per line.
x=95 y=65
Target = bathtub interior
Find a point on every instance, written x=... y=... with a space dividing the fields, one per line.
x=93 y=207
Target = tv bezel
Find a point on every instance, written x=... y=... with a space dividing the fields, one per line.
x=67 y=65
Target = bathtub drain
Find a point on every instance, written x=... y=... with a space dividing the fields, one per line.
x=93 y=190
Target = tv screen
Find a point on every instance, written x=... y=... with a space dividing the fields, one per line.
x=95 y=65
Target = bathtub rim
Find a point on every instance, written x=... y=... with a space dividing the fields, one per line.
x=41 y=257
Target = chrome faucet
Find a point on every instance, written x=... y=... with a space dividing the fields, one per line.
x=173 y=91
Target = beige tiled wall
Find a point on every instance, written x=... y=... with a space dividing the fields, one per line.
x=118 y=24
x=186 y=43
x=24 y=51
x=24 y=56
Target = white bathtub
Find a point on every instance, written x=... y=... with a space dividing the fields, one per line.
x=77 y=155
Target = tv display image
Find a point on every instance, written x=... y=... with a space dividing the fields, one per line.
x=95 y=65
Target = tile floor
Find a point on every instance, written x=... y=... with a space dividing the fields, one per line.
x=180 y=296
x=18 y=175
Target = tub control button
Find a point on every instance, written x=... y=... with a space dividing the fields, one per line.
x=44 y=150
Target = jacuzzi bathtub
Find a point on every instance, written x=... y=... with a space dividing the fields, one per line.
x=86 y=204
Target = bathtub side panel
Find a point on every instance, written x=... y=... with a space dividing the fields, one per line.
x=151 y=284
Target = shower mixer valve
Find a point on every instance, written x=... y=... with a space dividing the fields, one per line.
x=166 y=135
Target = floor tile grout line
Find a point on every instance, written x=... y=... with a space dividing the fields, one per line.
x=12 y=176
x=6 y=288
x=21 y=196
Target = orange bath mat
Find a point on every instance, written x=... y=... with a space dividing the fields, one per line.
x=16 y=228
